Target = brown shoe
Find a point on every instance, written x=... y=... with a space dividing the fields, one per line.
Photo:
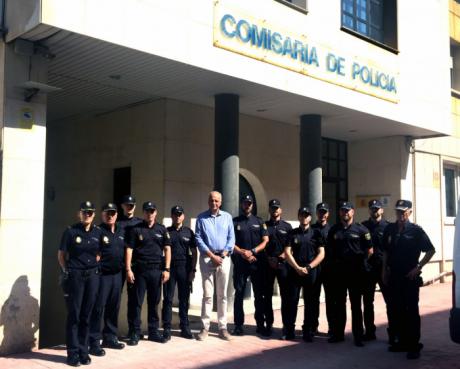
x=202 y=335
x=223 y=334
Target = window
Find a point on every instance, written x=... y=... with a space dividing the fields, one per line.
x=373 y=20
x=300 y=5
x=451 y=186
x=455 y=69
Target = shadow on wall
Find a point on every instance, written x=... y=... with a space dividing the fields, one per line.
x=19 y=319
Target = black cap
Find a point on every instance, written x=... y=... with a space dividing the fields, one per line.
x=110 y=206
x=304 y=210
x=148 y=205
x=274 y=203
x=247 y=198
x=177 y=210
x=87 y=206
x=128 y=199
x=403 y=205
x=322 y=206
x=346 y=205
x=375 y=204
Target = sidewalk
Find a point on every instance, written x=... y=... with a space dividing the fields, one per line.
x=252 y=352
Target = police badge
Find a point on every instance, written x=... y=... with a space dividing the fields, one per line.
x=78 y=239
x=105 y=239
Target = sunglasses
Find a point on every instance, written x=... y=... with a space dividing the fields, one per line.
x=88 y=213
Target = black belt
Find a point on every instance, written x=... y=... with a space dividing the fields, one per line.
x=219 y=253
x=85 y=272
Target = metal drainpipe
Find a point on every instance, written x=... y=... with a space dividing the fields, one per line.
x=2 y=18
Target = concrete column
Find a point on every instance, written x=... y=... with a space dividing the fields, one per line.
x=22 y=174
x=311 y=181
x=226 y=159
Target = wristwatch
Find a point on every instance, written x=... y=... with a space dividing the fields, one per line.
x=309 y=268
x=167 y=270
x=254 y=252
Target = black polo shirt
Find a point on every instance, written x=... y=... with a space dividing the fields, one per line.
x=376 y=230
x=324 y=229
x=404 y=248
x=128 y=223
x=182 y=243
x=148 y=243
x=305 y=244
x=112 y=250
x=81 y=246
x=278 y=237
x=349 y=245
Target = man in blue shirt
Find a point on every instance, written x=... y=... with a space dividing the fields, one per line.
x=215 y=239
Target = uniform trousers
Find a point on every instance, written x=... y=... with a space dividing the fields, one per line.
x=147 y=279
x=305 y=285
x=241 y=272
x=403 y=310
x=82 y=287
x=221 y=275
x=106 y=308
x=343 y=280
x=282 y=275
x=178 y=276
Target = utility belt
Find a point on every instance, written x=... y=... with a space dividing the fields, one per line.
x=147 y=265
x=84 y=272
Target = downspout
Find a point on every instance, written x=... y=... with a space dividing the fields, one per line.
x=2 y=19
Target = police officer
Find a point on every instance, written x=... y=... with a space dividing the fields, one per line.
x=322 y=225
x=304 y=253
x=350 y=246
x=376 y=226
x=146 y=244
x=403 y=243
x=78 y=257
x=108 y=300
x=251 y=237
x=128 y=220
x=277 y=267
x=183 y=268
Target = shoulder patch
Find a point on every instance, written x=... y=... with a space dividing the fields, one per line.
x=264 y=226
x=367 y=236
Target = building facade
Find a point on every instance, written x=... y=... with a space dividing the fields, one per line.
x=299 y=100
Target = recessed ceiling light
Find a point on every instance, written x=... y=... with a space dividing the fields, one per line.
x=116 y=77
x=353 y=130
x=261 y=110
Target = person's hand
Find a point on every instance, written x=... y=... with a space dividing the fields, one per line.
x=247 y=254
x=252 y=259
x=217 y=260
x=130 y=276
x=414 y=273
x=164 y=276
x=302 y=271
x=282 y=256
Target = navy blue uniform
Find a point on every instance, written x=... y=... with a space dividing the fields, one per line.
x=403 y=251
x=182 y=243
x=82 y=250
x=321 y=274
x=108 y=300
x=305 y=245
x=147 y=244
x=376 y=230
x=347 y=251
x=278 y=233
x=249 y=231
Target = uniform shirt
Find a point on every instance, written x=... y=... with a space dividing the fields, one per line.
x=128 y=223
x=305 y=244
x=249 y=231
x=82 y=246
x=148 y=243
x=182 y=243
x=404 y=249
x=324 y=229
x=113 y=249
x=278 y=237
x=215 y=232
x=349 y=245
x=376 y=230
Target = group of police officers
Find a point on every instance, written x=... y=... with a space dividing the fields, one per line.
x=347 y=258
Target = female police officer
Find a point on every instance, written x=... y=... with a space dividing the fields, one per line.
x=78 y=256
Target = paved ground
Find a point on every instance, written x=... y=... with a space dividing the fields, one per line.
x=251 y=352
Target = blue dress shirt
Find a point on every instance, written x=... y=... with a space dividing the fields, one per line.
x=215 y=232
